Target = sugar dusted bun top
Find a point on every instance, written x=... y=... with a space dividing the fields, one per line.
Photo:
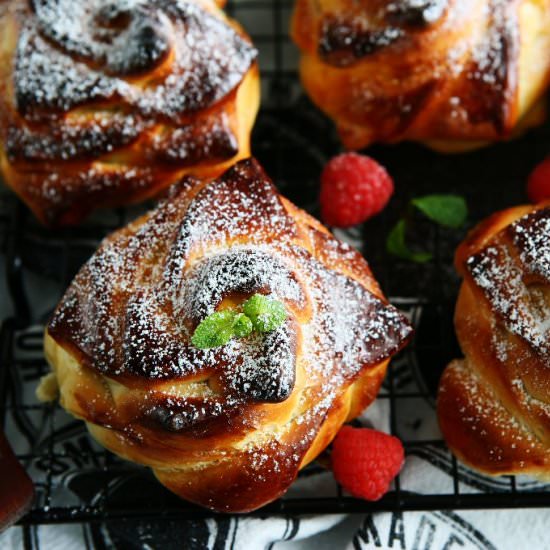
x=452 y=73
x=248 y=413
x=132 y=309
x=493 y=405
x=162 y=58
x=107 y=102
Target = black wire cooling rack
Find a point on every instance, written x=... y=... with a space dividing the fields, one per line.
x=77 y=481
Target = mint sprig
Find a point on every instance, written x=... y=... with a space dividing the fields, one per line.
x=261 y=313
x=214 y=331
x=242 y=325
x=446 y=210
x=397 y=246
x=265 y=313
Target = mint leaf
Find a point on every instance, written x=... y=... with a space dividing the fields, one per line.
x=214 y=331
x=397 y=246
x=265 y=313
x=260 y=313
x=446 y=210
x=242 y=325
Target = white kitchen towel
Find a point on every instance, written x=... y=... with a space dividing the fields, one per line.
x=447 y=530
x=440 y=530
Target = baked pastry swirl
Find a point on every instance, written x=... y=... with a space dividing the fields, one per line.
x=452 y=73
x=228 y=427
x=104 y=103
x=494 y=405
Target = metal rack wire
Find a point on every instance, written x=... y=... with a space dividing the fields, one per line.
x=78 y=481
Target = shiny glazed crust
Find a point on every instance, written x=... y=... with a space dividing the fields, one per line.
x=101 y=107
x=227 y=428
x=452 y=73
x=494 y=405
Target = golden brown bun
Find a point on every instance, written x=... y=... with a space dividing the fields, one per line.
x=494 y=405
x=452 y=73
x=102 y=106
x=227 y=428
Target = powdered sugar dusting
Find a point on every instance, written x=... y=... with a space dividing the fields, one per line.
x=502 y=385
x=509 y=284
x=416 y=12
x=491 y=51
x=505 y=439
x=450 y=68
x=209 y=58
x=483 y=62
x=241 y=269
x=532 y=239
x=131 y=310
x=114 y=99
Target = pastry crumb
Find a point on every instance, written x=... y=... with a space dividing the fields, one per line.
x=48 y=389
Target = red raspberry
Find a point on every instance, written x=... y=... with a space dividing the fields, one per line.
x=538 y=185
x=353 y=188
x=365 y=461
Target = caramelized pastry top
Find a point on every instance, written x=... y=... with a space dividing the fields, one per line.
x=513 y=273
x=107 y=102
x=131 y=310
x=439 y=71
x=366 y=27
x=493 y=405
x=77 y=52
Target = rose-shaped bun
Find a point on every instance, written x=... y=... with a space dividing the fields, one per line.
x=494 y=405
x=226 y=427
x=455 y=74
x=106 y=102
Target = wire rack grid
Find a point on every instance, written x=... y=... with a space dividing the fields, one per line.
x=78 y=481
